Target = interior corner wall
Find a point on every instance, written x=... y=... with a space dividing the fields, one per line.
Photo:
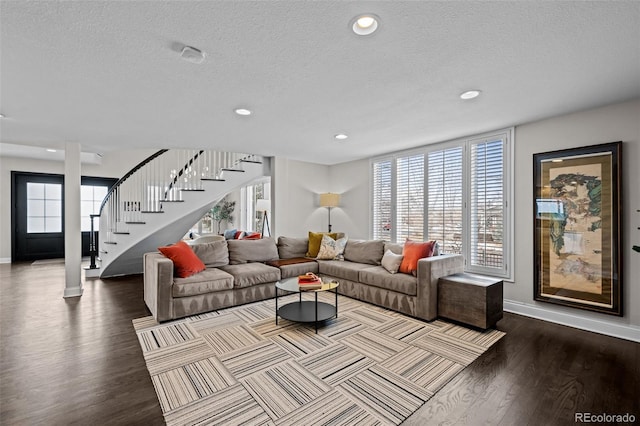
x=618 y=122
x=114 y=164
x=351 y=181
x=295 y=189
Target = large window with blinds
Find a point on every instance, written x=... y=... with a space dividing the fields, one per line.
x=456 y=193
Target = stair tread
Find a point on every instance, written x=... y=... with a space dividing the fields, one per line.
x=121 y=233
x=233 y=170
x=251 y=161
x=192 y=190
x=152 y=211
x=136 y=223
x=110 y=242
x=214 y=179
x=172 y=201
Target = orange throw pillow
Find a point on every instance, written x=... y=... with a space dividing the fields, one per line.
x=185 y=261
x=412 y=252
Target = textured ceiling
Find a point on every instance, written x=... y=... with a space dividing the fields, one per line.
x=108 y=74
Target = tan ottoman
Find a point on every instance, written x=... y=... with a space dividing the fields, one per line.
x=470 y=299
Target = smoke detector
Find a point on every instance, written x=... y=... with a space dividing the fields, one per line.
x=191 y=54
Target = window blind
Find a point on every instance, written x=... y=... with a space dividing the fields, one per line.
x=487 y=203
x=410 y=198
x=381 y=200
x=444 y=198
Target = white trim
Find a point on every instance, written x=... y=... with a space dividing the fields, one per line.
x=73 y=292
x=5 y=260
x=622 y=331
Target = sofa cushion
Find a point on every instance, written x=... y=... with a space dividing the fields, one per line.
x=212 y=254
x=361 y=251
x=289 y=247
x=243 y=251
x=251 y=274
x=207 y=281
x=393 y=247
x=315 y=239
x=379 y=277
x=293 y=270
x=185 y=261
x=340 y=269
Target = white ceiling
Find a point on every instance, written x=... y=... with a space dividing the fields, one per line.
x=108 y=74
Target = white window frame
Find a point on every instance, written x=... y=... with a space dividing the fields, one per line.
x=507 y=135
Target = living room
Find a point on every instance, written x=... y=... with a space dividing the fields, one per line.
x=296 y=182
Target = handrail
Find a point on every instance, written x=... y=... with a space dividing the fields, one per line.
x=181 y=172
x=126 y=176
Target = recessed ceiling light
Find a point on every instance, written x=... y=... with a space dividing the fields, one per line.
x=470 y=94
x=341 y=136
x=242 y=111
x=51 y=150
x=365 y=24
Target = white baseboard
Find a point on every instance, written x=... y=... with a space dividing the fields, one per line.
x=5 y=260
x=623 y=331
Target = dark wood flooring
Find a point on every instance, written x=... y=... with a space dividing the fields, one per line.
x=77 y=361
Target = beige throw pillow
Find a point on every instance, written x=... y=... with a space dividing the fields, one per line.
x=391 y=261
x=331 y=249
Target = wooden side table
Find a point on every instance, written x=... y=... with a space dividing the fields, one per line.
x=470 y=299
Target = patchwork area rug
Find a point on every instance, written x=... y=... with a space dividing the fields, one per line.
x=369 y=366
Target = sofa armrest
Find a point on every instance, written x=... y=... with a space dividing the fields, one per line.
x=430 y=269
x=158 y=281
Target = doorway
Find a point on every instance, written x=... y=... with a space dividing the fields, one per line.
x=37 y=213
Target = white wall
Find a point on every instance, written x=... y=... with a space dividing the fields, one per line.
x=295 y=188
x=608 y=124
x=114 y=164
x=619 y=122
x=351 y=181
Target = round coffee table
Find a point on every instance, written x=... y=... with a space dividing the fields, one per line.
x=306 y=311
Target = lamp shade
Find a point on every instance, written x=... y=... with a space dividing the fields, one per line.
x=263 y=205
x=329 y=200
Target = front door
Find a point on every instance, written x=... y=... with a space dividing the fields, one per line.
x=37 y=216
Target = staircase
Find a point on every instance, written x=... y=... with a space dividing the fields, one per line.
x=158 y=201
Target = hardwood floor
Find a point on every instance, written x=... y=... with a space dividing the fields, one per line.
x=77 y=361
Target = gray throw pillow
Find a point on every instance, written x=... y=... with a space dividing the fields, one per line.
x=361 y=251
x=290 y=248
x=244 y=251
x=212 y=254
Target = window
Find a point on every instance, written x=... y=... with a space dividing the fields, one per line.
x=410 y=198
x=44 y=207
x=382 y=200
x=444 y=198
x=91 y=197
x=456 y=192
x=486 y=203
x=253 y=219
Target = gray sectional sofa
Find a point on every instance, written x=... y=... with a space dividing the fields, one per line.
x=243 y=271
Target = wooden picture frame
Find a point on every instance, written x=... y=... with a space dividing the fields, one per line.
x=577 y=236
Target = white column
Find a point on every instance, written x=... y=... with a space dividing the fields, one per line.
x=72 y=234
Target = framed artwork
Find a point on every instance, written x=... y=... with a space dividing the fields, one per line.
x=577 y=227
